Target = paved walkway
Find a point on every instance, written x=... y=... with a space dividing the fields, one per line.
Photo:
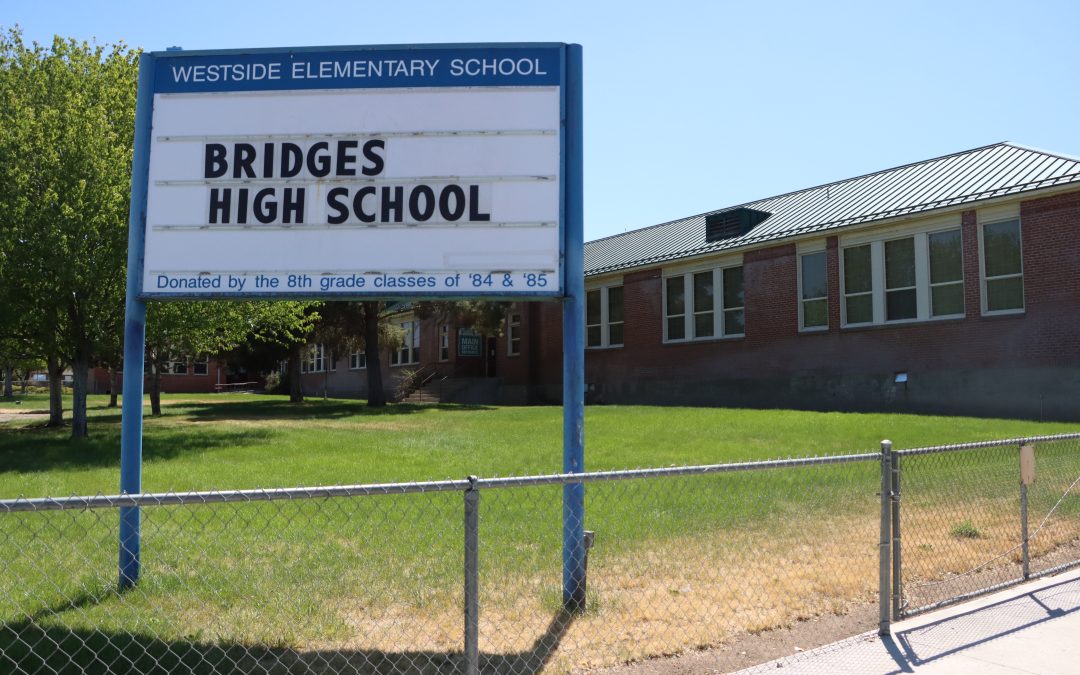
x=1033 y=628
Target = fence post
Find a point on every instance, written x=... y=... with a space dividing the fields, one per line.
x=894 y=499
x=1024 y=516
x=472 y=586
x=883 y=547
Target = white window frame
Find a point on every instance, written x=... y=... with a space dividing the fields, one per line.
x=513 y=334
x=355 y=359
x=803 y=252
x=718 y=310
x=409 y=353
x=605 y=318
x=314 y=360
x=982 y=267
x=921 y=240
x=444 y=342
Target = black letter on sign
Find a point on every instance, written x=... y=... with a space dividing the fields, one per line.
x=377 y=161
x=358 y=204
x=268 y=214
x=344 y=159
x=414 y=203
x=215 y=165
x=459 y=202
x=292 y=160
x=318 y=165
x=268 y=160
x=241 y=205
x=292 y=211
x=474 y=205
x=245 y=157
x=342 y=211
x=392 y=204
x=220 y=204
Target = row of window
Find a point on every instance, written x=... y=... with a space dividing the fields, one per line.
x=917 y=277
x=183 y=366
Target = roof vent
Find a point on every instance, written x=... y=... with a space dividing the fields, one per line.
x=733 y=223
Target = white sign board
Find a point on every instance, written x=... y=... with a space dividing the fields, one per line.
x=356 y=172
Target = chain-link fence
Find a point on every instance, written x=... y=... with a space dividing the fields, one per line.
x=466 y=576
x=977 y=517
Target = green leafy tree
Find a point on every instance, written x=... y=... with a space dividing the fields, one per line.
x=344 y=327
x=66 y=129
x=190 y=329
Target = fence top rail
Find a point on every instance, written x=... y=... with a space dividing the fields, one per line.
x=987 y=444
x=76 y=502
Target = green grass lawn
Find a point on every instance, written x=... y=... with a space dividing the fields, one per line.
x=384 y=573
x=242 y=441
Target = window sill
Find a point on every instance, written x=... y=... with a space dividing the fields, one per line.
x=695 y=341
x=1003 y=313
x=816 y=330
x=602 y=348
x=903 y=323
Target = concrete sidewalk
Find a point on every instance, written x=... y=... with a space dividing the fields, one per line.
x=1032 y=628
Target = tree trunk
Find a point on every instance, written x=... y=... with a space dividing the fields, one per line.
x=56 y=391
x=155 y=389
x=80 y=369
x=376 y=395
x=114 y=387
x=296 y=389
x=24 y=383
x=8 y=375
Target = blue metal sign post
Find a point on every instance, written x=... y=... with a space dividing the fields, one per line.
x=131 y=431
x=348 y=173
x=574 y=340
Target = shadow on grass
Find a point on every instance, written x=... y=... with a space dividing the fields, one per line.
x=35 y=450
x=311 y=409
x=26 y=646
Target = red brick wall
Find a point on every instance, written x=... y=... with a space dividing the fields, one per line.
x=1046 y=335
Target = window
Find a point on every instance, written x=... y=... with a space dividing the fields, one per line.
x=594 y=335
x=858 y=285
x=614 y=316
x=704 y=302
x=358 y=360
x=946 y=273
x=714 y=307
x=604 y=317
x=813 y=291
x=675 y=308
x=914 y=278
x=182 y=365
x=409 y=352
x=1002 y=267
x=901 y=299
x=444 y=342
x=314 y=360
x=513 y=335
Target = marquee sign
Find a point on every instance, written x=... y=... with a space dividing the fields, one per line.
x=356 y=172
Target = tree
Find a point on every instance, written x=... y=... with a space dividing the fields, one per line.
x=350 y=326
x=189 y=329
x=66 y=131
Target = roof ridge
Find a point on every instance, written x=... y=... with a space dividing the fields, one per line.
x=818 y=187
x=1059 y=155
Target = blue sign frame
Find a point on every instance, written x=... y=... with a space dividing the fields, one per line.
x=358 y=67
x=351 y=67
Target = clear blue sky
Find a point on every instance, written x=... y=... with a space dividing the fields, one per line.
x=693 y=106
